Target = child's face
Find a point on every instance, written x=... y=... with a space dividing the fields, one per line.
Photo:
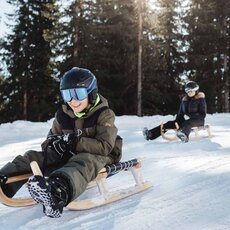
x=78 y=106
x=191 y=93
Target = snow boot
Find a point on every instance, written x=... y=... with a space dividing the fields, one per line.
x=145 y=133
x=152 y=133
x=3 y=180
x=182 y=136
x=51 y=193
x=4 y=186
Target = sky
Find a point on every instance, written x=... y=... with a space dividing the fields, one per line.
x=191 y=181
x=5 y=8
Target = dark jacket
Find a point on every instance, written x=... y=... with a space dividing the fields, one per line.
x=194 y=107
x=98 y=136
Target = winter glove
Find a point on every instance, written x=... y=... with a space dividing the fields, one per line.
x=3 y=180
x=63 y=144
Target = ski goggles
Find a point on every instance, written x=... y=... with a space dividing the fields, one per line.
x=76 y=93
x=188 y=90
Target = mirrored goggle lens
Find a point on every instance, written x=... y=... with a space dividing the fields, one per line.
x=77 y=93
x=189 y=90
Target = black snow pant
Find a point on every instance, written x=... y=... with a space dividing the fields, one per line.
x=187 y=125
x=184 y=125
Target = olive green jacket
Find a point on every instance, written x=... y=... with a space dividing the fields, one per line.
x=99 y=138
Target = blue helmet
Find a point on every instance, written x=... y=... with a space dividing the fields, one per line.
x=76 y=79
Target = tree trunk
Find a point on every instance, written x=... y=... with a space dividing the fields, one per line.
x=226 y=71
x=77 y=9
x=226 y=85
x=139 y=65
x=25 y=105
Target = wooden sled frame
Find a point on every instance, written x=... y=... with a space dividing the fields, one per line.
x=165 y=137
x=194 y=129
x=105 y=197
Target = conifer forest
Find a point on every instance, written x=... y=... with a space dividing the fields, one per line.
x=141 y=52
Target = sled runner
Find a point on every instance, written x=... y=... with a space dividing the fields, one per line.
x=16 y=202
x=105 y=196
x=195 y=130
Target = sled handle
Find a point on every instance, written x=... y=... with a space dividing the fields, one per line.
x=35 y=168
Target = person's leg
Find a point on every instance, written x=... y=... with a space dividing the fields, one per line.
x=21 y=165
x=169 y=125
x=67 y=183
x=188 y=124
x=152 y=133
x=79 y=171
x=156 y=132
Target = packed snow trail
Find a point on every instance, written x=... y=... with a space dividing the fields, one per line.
x=191 y=181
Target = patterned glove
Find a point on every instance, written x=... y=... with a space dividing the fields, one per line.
x=63 y=144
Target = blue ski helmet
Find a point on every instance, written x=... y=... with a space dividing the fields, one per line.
x=79 y=83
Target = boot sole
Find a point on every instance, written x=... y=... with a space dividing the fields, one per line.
x=145 y=133
x=182 y=137
x=39 y=192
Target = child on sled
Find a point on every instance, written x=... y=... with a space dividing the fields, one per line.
x=82 y=140
x=191 y=113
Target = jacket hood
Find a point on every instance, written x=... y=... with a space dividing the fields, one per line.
x=197 y=96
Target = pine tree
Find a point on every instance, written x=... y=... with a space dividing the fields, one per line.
x=30 y=91
x=102 y=36
x=116 y=56
x=162 y=60
x=208 y=61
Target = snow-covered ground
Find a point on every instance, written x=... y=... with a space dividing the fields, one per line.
x=191 y=181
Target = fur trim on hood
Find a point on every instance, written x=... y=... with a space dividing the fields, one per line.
x=197 y=96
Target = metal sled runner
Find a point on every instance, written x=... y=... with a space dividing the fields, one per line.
x=105 y=196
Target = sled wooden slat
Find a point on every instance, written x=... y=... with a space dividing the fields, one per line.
x=107 y=197
x=111 y=197
x=18 y=178
x=169 y=138
x=205 y=127
x=15 y=202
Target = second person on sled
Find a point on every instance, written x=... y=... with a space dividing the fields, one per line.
x=191 y=113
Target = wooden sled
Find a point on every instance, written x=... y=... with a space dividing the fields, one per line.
x=195 y=130
x=105 y=197
x=167 y=137
x=16 y=202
